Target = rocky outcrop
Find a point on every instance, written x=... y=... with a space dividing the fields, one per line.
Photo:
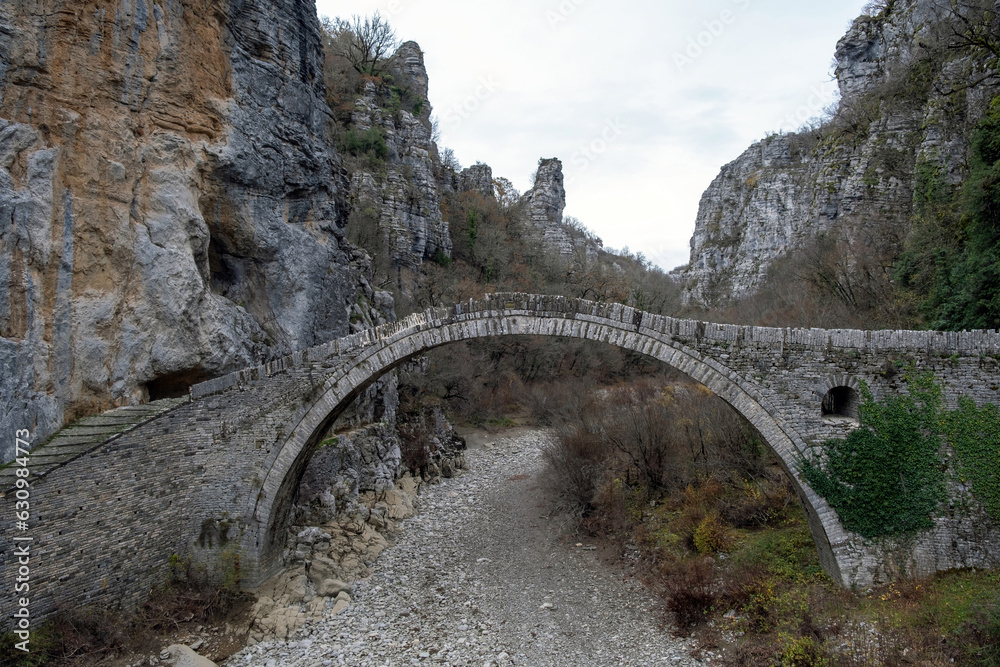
x=324 y=560
x=408 y=61
x=543 y=208
x=905 y=107
x=172 y=208
x=404 y=198
x=477 y=178
x=346 y=466
x=544 y=205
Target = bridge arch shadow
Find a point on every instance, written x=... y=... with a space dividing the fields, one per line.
x=611 y=324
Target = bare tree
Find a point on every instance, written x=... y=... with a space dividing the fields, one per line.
x=972 y=26
x=368 y=44
x=976 y=26
x=877 y=7
x=450 y=161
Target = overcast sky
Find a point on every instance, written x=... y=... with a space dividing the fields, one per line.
x=643 y=100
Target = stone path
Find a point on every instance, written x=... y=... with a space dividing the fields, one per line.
x=483 y=576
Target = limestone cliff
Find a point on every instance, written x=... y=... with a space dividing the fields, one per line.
x=906 y=107
x=171 y=207
x=403 y=192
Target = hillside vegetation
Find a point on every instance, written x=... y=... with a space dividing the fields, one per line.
x=887 y=209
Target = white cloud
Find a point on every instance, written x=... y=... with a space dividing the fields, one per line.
x=566 y=69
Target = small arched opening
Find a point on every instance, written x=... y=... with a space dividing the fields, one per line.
x=841 y=402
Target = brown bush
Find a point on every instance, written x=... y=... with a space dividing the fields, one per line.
x=668 y=436
x=742 y=583
x=92 y=632
x=560 y=403
x=758 y=503
x=690 y=590
x=610 y=515
x=85 y=636
x=575 y=465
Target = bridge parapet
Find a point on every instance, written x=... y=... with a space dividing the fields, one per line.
x=981 y=342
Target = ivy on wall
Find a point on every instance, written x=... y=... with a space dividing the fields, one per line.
x=886 y=477
x=889 y=476
x=974 y=433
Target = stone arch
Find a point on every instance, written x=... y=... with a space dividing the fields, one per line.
x=841 y=402
x=841 y=397
x=271 y=506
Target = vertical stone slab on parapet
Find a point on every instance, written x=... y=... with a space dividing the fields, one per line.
x=626 y=315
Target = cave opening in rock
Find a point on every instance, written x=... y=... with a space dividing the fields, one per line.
x=222 y=275
x=177 y=384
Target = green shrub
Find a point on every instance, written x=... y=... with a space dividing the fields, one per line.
x=441 y=259
x=712 y=535
x=788 y=553
x=370 y=142
x=802 y=652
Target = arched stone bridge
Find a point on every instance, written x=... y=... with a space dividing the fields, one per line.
x=219 y=471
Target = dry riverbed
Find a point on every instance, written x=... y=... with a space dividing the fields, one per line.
x=485 y=575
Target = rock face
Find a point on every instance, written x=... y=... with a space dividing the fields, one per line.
x=478 y=178
x=544 y=205
x=405 y=199
x=350 y=464
x=543 y=214
x=894 y=119
x=173 y=210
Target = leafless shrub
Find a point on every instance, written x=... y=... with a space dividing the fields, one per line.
x=576 y=463
x=690 y=590
x=661 y=436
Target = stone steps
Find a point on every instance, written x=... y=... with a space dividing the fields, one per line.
x=86 y=435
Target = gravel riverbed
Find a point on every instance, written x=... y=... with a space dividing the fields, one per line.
x=484 y=576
